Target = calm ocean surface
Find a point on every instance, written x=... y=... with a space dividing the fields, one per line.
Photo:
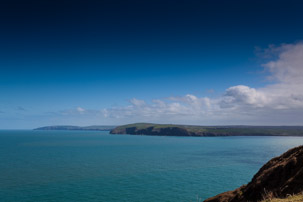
x=95 y=166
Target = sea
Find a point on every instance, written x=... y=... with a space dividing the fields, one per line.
x=89 y=166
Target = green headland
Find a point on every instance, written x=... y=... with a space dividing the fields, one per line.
x=193 y=130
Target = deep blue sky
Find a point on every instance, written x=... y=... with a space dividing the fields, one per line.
x=59 y=55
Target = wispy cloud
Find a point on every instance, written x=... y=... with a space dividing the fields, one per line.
x=19 y=108
x=80 y=111
x=278 y=103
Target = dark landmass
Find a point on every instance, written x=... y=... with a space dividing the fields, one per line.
x=280 y=177
x=190 y=130
x=92 y=128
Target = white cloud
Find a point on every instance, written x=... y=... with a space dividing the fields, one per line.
x=137 y=103
x=237 y=96
x=288 y=68
x=80 y=109
x=276 y=104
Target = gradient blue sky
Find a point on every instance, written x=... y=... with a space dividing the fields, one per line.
x=73 y=62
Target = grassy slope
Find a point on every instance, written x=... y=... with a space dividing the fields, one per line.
x=295 y=198
x=228 y=130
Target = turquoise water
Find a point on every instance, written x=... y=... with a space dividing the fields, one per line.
x=95 y=166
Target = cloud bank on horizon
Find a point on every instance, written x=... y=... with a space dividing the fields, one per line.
x=278 y=103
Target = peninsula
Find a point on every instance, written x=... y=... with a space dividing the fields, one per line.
x=191 y=130
x=92 y=128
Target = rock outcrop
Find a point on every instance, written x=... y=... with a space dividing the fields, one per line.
x=279 y=177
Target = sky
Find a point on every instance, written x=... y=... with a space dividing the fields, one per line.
x=110 y=62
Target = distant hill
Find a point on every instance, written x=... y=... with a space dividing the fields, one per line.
x=190 y=130
x=92 y=128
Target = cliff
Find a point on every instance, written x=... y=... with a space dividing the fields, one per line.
x=190 y=130
x=152 y=130
x=280 y=177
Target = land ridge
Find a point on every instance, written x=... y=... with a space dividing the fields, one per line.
x=70 y=127
x=210 y=131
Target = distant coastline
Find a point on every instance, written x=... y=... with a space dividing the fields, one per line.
x=208 y=131
x=86 y=128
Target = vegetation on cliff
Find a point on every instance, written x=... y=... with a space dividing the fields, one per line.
x=291 y=198
x=190 y=130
